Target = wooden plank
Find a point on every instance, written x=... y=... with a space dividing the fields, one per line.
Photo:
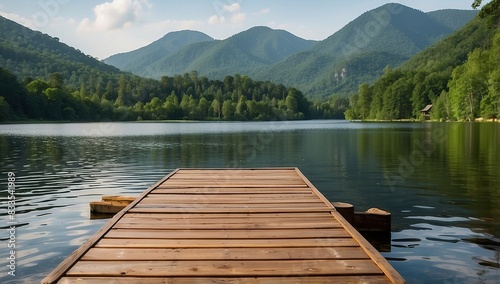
x=247 y=198
x=353 y=279
x=242 y=195
x=138 y=209
x=221 y=177
x=277 y=206
x=291 y=179
x=135 y=233
x=243 y=220
x=225 y=243
x=233 y=190
x=236 y=171
x=59 y=271
x=233 y=199
x=217 y=222
x=199 y=226
x=224 y=268
x=225 y=254
x=235 y=183
x=228 y=215
x=242 y=185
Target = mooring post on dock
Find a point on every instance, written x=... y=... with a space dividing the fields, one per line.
x=346 y=210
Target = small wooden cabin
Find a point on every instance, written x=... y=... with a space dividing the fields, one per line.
x=426 y=111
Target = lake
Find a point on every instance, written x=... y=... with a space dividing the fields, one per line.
x=440 y=181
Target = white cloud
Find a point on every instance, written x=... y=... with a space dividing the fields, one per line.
x=235 y=16
x=238 y=18
x=235 y=7
x=71 y=21
x=264 y=11
x=215 y=20
x=117 y=14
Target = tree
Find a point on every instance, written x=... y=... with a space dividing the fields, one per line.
x=37 y=86
x=83 y=91
x=364 y=101
x=353 y=111
x=291 y=102
x=202 y=108
x=56 y=80
x=468 y=86
x=110 y=92
x=228 y=109
x=184 y=105
x=241 y=108
x=228 y=83
x=441 y=107
x=4 y=109
x=490 y=11
x=216 y=107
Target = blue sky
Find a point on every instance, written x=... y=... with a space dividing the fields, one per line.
x=106 y=27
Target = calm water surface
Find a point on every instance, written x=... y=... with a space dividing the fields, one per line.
x=441 y=181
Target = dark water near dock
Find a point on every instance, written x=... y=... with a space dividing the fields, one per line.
x=441 y=181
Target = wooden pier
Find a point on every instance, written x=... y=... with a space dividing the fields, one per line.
x=227 y=226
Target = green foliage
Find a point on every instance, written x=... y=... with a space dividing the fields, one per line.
x=4 y=110
x=13 y=95
x=475 y=84
x=171 y=43
x=388 y=35
x=441 y=107
x=245 y=53
x=452 y=51
x=199 y=100
x=458 y=75
x=453 y=19
x=490 y=11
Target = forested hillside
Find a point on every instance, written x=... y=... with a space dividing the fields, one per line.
x=242 y=53
x=138 y=60
x=44 y=79
x=359 y=52
x=460 y=76
x=453 y=19
x=179 y=97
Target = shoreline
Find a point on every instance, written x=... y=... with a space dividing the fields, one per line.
x=208 y=121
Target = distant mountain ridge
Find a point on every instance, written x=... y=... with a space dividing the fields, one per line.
x=361 y=50
x=135 y=61
x=29 y=53
x=336 y=65
x=244 y=52
x=452 y=18
x=388 y=35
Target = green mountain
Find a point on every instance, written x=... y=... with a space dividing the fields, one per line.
x=452 y=18
x=242 y=53
x=31 y=53
x=137 y=60
x=458 y=75
x=44 y=79
x=359 y=52
x=452 y=50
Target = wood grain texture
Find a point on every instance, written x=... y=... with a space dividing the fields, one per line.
x=227 y=226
